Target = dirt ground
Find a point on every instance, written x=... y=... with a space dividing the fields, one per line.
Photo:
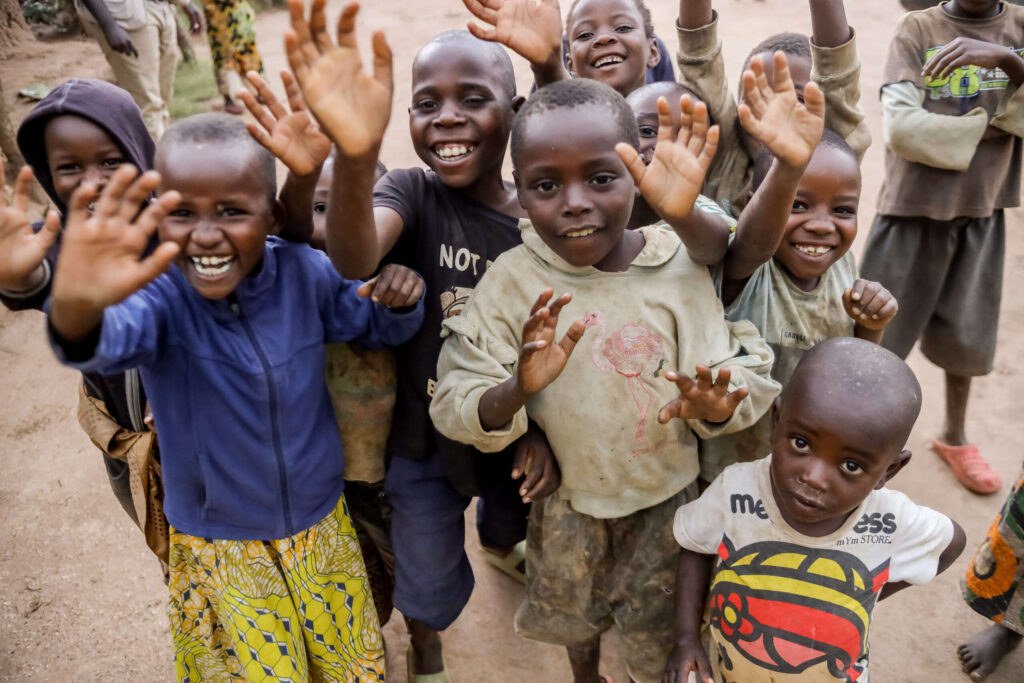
x=82 y=600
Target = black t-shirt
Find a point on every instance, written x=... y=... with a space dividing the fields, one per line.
x=450 y=240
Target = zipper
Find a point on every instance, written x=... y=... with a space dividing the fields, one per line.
x=131 y=392
x=282 y=475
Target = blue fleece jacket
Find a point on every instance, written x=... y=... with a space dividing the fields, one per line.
x=249 y=444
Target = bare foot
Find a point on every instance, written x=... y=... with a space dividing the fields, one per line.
x=980 y=655
x=425 y=648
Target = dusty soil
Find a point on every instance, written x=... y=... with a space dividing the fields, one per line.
x=81 y=599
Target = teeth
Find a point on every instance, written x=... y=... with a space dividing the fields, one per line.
x=812 y=250
x=453 y=151
x=611 y=59
x=581 y=233
x=212 y=265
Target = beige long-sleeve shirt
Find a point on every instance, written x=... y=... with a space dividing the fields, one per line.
x=600 y=414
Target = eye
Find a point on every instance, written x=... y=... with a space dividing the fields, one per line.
x=425 y=105
x=584 y=35
x=320 y=207
x=544 y=186
x=625 y=28
x=475 y=102
x=799 y=444
x=845 y=211
x=181 y=214
x=232 y=211
x=604 y=179
x=68 y=169
x=648 y=131
x=851 y=467
x=799 y=206
x=113 y=162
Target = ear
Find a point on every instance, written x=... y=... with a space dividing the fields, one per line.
x=568 y=65
x=895 y=466
x=776 y=413
x=654 y=56
x=279 y=214
x=517 y=103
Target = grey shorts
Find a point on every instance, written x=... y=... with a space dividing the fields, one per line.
x=585 y=575
x=948 y=279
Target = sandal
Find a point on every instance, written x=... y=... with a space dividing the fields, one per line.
x=413 y=677
x=969 y=468
x=510 y=565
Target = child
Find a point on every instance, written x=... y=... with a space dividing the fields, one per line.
x=448 y=223
x=938 y=239
x=83 y=131
x=808 y=539
x=830 y=60
x=993 y=589
x=599 y=552
x=230 y=342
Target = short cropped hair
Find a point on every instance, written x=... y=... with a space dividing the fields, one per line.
x=672 y=91
x=645 y=16
x=829 y=140
x=793 y=44
x=504 y=70
x=572 y=93
x=223 y=130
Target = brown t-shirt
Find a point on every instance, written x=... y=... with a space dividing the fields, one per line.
x=993 y=179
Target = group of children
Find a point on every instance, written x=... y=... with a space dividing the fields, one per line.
x=707 y=473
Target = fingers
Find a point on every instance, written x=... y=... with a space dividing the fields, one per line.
x=110 y=199
x=534 y=472
x=698 y=129
x=22 y=188
x=942 y=60
x=632 y=159
x=481 y=12
x=752 y=97
x=137 y=194
x=51 y=228
x=346 y=24
x=292 y=92
x=78 y=206
x=383 y=71
x=150 y=218
x=665 y=123
x=318 y=24
x=572 y=336
x=129 y=49
x=156 y=264
x=298 y=42
x=558 y=304
x=783 y=79
x=707 y=154
x=482 y=32
x=547 y=481
x=542 y=300
x=522 y=456
x=269 y=98
x=814 y=100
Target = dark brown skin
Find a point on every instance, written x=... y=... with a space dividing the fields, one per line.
x=982 y=654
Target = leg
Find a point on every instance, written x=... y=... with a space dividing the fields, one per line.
x=957 y=391
x=585 y=660
x=980 y=655
x=501 y=515
x=168 y=62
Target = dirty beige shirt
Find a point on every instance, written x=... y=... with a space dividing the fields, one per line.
x=792 y=321
x=600 y=414
x=702 y=69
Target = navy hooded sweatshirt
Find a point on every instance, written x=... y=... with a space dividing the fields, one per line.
x=113 y=110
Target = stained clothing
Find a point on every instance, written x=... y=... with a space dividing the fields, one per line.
x=248 y=438
x=809 y=598
x=702 y=69
x=113 y=110
x=660 y=314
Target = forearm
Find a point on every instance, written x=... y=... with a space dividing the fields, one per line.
x=352 y=241
x=74 y=322
x=911 y=131
x=694 y=14
x=297 y=199
x=551 y=70
x=867 y=334
x=693 y=577
x=1013 y=65
x=828 y=23
x=35 y=280
x=100 y=13
x=500 y=404
x=763 y=222
x=705 y=236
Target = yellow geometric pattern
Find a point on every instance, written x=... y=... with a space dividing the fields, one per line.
x=294 y=609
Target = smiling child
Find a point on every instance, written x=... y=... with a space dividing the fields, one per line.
x=793 y=551
x=607 y=409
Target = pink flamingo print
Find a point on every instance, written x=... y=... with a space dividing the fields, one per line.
x=633 y=351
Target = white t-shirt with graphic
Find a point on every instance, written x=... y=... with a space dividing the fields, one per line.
x=788 y=607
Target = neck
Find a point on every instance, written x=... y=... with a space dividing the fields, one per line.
x=491 y=190
x=803 y=284
x=622 y=254
x=954 y=9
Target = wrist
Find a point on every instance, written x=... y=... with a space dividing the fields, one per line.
x=31 y=282
x=1013 y=65
x=364 y=162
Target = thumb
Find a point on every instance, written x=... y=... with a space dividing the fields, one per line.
x=51 y=228
x=634 y=162
x=366 y=289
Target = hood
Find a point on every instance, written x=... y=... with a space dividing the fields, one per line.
x=106 y=105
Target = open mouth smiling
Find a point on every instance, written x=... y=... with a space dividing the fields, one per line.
x=212 y=266
x=453 y=151
x=813 y=250
x=607 y=60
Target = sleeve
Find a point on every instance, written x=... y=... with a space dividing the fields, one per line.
x=750 y=362
x=710 y=206
x=699 y=526
x=702 y=69
x=923 y=536
x=837 y=71
x=349 y=317
x=472 y=361
x=402 y=191
x=912 y=132
x=1010 y=115
x=131 y=334
x=34 y=298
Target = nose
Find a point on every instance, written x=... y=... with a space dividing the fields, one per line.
x=206 y=234
x=814 y=474
x=448 y=115
x=95 y=175
x=577 y=202
x=820 y=223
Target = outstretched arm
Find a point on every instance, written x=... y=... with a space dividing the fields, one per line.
x=828 y=23
x=673 y=179
x=353 y=108
x=530 y=28
x=541 y=361
x=694 y=14
x=693 y=578
x=23 y=251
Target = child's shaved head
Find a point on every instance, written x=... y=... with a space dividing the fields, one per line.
x=221 y=130
x=572 y=93
x=502 y=63
x=793 y=44
x=829 y=140
x=874 y=386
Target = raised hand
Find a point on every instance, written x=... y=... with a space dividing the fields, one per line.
x=293 y=137
x=672 y=181
x=788 y=128
x=21 y=250
x=542 y=359
x=531 y=28
x=101 y=260
x=702 y=399
x=870 y=305
x=352 y=106
x=395 y=287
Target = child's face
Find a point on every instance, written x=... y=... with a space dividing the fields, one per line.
x=461 y=115
x=644 y=103
x=823 y=222
x=608 y=43
x=572 y=183
x=976 y=9
x=78 y=151
x=827 y=456
x=224 y=216
x=323 y=190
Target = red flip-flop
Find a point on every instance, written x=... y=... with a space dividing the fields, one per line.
x=969 y=468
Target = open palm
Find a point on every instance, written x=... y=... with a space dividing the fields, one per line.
x=788 y=128
x=293 y=137
x=21 y=249
x=532 y=28
x=542 y=358
x=352 y=106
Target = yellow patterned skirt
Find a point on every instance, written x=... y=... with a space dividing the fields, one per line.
x=294 y=609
